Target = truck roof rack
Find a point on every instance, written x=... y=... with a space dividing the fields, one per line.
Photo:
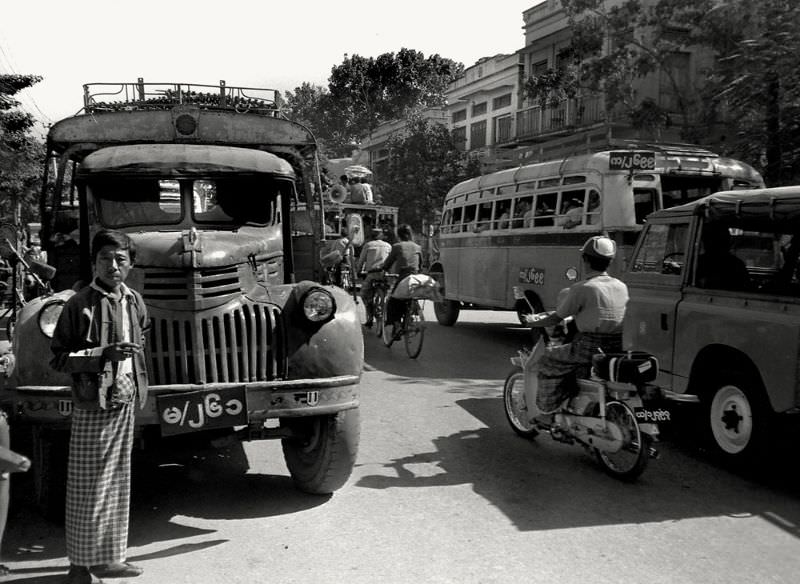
x=114 y=97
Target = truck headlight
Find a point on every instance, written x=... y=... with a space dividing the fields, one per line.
x=48 y=317
x=318 y=305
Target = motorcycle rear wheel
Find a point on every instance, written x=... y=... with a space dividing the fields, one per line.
x=514 y=404
x=629 y=461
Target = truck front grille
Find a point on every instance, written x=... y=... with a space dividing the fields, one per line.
x=245 y=344
x=166 y=284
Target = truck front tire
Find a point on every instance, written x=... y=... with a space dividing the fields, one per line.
x=321 y=454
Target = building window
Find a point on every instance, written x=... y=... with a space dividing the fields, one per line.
x=501 y=102
x=459 y=116
x=460 y=137
x=538 y=68
x=479 y=109
x=502 y=129
x=477 y=135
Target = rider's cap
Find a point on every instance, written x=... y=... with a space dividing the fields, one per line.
x=600 y=246
x=376 y=231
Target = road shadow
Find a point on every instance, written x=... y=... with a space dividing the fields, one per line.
x=457 y=352
x=542 y=484
x=204 y=482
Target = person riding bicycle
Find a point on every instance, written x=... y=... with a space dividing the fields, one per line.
x=597 y=304
x=370 y=260
x=407 y=259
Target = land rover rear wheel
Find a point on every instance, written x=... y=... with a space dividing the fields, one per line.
x=738 y=418
x=321 y=454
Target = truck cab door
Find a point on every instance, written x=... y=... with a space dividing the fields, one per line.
x=655 y=277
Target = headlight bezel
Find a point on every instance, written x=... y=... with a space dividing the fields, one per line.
x=310 y=303
x=46 y=319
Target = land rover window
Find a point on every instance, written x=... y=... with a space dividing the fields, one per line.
x=663 y=250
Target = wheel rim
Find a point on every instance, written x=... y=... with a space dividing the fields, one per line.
x=627 y=457
x=414 y=332
x=731 y=418
x=515 y=404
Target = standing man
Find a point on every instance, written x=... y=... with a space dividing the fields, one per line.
x=99 y=339
x=367 y=190
x=597 y=304
x=358 y=194
x=370 y=260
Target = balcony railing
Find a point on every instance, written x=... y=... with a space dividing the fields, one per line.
x=570 y=113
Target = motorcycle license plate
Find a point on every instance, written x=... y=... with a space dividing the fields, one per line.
x=193 y=411
x=652 y=415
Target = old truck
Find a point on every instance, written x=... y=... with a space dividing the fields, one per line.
x=715 y=295
x=203 y=179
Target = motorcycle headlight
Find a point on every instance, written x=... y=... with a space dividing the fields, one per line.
x=318 y=305
x=48 y=317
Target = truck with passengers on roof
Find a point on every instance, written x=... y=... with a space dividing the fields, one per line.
x=203 y=179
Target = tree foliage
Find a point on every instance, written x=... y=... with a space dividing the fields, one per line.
x=424 y=164
x=749 y=82
x=755 y=84
x=364 y=92
x=21 y=154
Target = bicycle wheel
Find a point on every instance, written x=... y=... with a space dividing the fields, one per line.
x=386 y=329
x=515 y=406
x=378 y=299
x=630 y=460
x=413 y=329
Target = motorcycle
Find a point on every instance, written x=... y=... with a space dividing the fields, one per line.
x=610 y=415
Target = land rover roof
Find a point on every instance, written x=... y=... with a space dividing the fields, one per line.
x=748 y=209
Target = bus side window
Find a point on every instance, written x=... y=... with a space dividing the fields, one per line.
x=484 y=220
x=447 y=220
x=593 y=208
x=522 y=212
x=502 y=215
x=455 y=226
x=546 y=204
x=644 y=203
x=571 y=209
x=469 y=218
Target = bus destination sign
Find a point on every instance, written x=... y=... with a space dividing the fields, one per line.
x=631 y=160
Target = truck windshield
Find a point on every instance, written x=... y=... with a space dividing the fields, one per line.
x=234 y=201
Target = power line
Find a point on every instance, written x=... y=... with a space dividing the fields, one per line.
x=24 y=93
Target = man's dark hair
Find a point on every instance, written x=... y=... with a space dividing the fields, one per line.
x=598 y=264
x=118 y=239
x=344 y=178
x=404 y=232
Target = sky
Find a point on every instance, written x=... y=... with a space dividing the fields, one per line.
x=268 y=44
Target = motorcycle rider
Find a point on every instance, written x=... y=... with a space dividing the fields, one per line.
x=597 y=304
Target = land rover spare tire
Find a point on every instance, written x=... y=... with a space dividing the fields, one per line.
x=321 y=454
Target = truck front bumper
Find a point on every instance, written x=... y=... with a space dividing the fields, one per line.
x=265 y=399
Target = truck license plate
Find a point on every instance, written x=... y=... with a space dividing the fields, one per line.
x=202 y=410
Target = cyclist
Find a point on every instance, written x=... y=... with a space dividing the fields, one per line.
x=406 y=256
x=370 y=260
x=598 y=305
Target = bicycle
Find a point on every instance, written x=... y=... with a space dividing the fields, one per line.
x=412 y=328
x=380 y=292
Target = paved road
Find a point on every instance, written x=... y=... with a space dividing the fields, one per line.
x=444 y=492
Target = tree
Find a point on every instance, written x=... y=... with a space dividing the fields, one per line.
x=424 y=163
x=363 y=92
x=754 y=87
x=616 y=44
x=21 y=154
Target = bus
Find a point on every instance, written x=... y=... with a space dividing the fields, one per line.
x=521 y=228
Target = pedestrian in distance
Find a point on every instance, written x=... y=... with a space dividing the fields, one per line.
x=99 y=340
x=370 y=260
x=406 y=257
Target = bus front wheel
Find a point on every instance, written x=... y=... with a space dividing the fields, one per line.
x=447 y=312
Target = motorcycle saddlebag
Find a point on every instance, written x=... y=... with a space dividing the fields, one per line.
x=635 y=367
